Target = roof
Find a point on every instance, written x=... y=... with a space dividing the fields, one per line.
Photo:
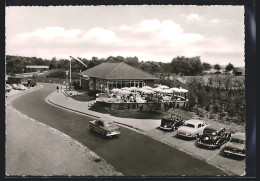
x=37 y=66
x=241 y=136
x=194 y=121
x=215 y=127
x=105 y=119
x=117 y=71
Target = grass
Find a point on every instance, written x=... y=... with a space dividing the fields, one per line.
x=83 y=98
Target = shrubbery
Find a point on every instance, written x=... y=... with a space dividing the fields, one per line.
x=221 y=96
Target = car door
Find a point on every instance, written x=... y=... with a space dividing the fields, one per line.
x=100 y=127
x=201 y=127
x=96 y=126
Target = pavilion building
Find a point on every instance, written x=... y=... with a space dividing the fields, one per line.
x=107 y=76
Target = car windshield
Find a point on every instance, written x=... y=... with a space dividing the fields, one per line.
x=236 y=140
x=210 y=132
x=107 y=124
x=190 y=125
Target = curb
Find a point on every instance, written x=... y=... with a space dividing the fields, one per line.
x=88 y=114
x=70 y=109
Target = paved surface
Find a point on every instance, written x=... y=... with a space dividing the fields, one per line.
x=35 y=149
x=67 y=102
x=130 y=153
x=148 y=127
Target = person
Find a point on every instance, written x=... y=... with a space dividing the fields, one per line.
x=61 y=88
x=57 y=89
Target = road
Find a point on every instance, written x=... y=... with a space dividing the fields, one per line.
x=131 y=153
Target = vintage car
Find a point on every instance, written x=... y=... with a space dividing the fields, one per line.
x=19 y=87
x=192 y=128
x=8 y=87
x=104 y=126
x=236 y=145
x=214 y=137
x=171 y=122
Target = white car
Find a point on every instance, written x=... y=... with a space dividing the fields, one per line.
x=21 y=87
x=192 y=128
x=15 y=86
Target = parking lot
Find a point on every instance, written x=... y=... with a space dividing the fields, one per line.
x=235 y=166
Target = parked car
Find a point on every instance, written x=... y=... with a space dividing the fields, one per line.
x=104 y=126
x=15 y=86
x=8 y=87
x=214 y=137
x=236 y=145
x=171 y=122
x=192 y=128
x=21 y=87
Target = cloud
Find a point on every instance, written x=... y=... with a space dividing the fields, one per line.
x=101 y=35
x=194 y=18
x=51 y=33
x=149 y=39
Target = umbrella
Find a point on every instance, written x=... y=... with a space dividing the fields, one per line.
x=167 y=91
x=175 y=89
x=115 y=90
x=183 y=90
x=125 y=88
x=124 y=92
x=157 y=89
x=163 y=87
x=147 y=87
x=146 y=91
x=133 y=88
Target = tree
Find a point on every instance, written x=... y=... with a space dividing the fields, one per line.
x=186 y=66
x=229 y=67
x=217 y=67
x=195 y=66
x=206 y=66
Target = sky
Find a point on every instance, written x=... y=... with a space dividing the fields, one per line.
x=152 y=33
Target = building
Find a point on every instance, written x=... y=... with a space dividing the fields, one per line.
x=37 y=67
x=238 y=71
x=107 y=76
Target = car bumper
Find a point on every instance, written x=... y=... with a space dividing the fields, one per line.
x=234 y=153
x=187 y=135
x=207 y=145
x=165 y=128
x=113 y=133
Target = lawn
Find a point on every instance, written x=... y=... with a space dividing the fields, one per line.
x=83 y=97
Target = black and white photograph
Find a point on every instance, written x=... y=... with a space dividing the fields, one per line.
x=125 y=90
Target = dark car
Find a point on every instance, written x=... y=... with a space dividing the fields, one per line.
x=104 y=126
x=236 y=145
x=213 y=137
x=171 y=122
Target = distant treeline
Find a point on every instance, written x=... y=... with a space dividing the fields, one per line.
x=188 y=66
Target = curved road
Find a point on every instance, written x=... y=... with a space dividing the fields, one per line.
x=131 y=153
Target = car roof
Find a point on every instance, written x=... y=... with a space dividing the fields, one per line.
x=194 y=121
x=239 y=135
x=105 y=119
x=215 y=127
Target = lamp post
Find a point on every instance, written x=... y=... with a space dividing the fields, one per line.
x=67 y=72
x=70 y=72
x=80 y=70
